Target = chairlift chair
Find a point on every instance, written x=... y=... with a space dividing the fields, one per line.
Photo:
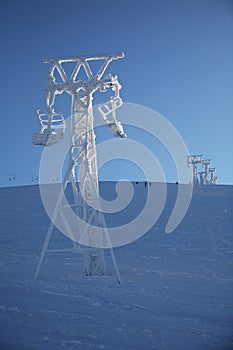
x=52 y=127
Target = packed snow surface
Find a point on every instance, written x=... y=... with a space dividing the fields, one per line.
x=176 y=291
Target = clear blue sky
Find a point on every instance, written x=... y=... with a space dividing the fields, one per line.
x=179 y=61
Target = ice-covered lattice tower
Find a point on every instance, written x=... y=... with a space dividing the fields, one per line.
x=205 y=163
x=83 y=158
x=213 y=179
x=194 y=161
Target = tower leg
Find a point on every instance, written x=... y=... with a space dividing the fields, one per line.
x=44 y=248
x=51 y=225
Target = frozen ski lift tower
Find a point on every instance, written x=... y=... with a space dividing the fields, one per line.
x=213 y=179
x=205 y=163
x=82 y=148
x=194 y=161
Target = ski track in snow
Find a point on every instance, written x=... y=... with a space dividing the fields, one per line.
x=176 y=291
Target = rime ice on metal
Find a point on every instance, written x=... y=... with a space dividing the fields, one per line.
x=194 y=161
x=82 y=148
x=205 y=163
x=204 y=178
x=213 y=179
x=52 y=127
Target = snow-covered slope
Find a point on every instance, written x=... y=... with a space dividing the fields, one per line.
x=177 y=290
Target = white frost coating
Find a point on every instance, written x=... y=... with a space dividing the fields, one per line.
x=108 y=113
x=82 y=154
x=52 y=127
x=206 y=163
x=213 y=179
x=204 y=178
x=194 y=161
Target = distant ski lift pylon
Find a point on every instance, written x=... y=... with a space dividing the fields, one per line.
x=52 y=127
